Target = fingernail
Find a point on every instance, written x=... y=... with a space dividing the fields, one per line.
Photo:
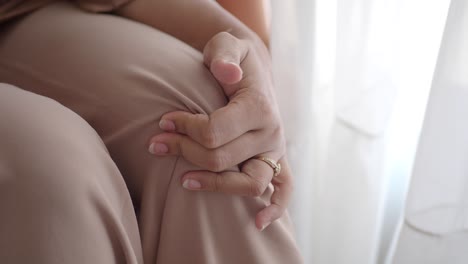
x=191 y=184
x=265 y=226
x=167 y=125
x=158 y=148
x=232 y=63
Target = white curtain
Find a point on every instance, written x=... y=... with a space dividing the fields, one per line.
x=435 y=228
x=352 y=78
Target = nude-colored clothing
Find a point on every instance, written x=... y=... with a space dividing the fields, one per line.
x=10 y=9
x=77 y=184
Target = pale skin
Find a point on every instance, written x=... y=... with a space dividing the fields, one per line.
x=249 y=125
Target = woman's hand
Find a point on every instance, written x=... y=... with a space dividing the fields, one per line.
x=248 y=126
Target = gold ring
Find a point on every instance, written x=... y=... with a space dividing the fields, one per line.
x=273 y=164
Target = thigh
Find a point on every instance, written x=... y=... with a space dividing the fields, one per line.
x=121 y=76
x=62 y=199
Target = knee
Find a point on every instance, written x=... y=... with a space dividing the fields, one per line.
x=45 y=147
x=147 y=87
x=181 y=76
x=193 y=86
x=175 y=79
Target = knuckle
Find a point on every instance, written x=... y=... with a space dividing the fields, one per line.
x=276 y=140
x=267 y=110
x=210 y=137
x=278 y=134
x=217 y=161
x=275 y=118
x=282 y=147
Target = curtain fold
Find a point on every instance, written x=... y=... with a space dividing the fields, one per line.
x=290 y=53
x=352 y=77
x=435 y=228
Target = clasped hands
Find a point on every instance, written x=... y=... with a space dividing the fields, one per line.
x=248 y=126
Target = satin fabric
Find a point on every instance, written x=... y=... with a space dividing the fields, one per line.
x=120 y=77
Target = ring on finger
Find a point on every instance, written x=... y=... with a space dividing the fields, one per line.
x=276 y=166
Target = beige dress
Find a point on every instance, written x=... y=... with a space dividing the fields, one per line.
x=81 y=95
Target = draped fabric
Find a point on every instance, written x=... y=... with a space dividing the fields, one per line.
x=353 y=78
x=10 y=9
x=435 y=228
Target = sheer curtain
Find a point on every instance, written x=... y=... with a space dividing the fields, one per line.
x=435 y=228
x=353 y=78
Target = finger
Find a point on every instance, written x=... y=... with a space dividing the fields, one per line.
x=221 y=126
x=283 y=188
x=223 y=55
x=252 y=180
x=216 y=160
x=226 y=72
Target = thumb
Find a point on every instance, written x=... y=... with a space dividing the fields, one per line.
x=223 y=55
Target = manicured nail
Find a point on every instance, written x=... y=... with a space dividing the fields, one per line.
x=191 y=184
x=265 y=226
x=167 y=125
x=158 y=148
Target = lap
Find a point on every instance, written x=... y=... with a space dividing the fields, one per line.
x=121 y=76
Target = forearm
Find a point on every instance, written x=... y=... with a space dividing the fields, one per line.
x=192 y=21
